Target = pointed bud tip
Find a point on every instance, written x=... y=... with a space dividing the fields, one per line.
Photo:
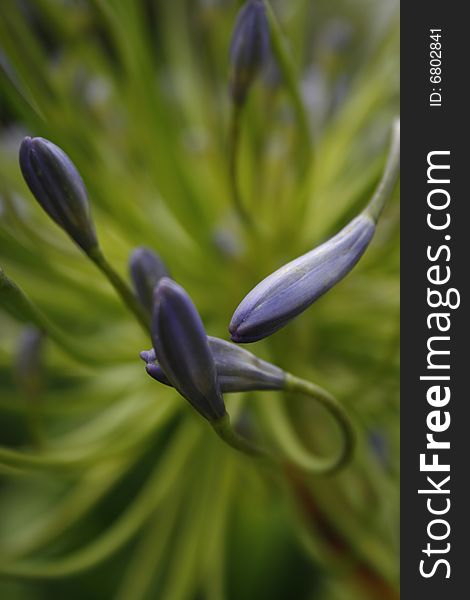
x=166 y=287
x=140 y=253
x=233 y=330
x=238 y=336
x=26 y=143
x=146 y=269
x=249 y=48
x=287 y=292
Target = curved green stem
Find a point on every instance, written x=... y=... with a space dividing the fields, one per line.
x=89 y=490
x=389 y=177
x=234 y=149
x=308 y=460
x=226 y=432
x=162 y=481
x=65 y=459
x=285 y=436
x=121 y=287
x=14 y=301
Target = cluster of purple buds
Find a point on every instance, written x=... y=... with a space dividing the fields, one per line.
x=199 y=367
x=202 y=368
x=249 y=49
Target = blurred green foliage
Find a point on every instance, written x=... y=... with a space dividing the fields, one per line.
x=123 y=492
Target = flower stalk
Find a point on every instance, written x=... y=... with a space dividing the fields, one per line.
x=337 y=411
x=234 y=150
x=229 y=435
x=389 y=176
x=121 y=287
x=198 y=366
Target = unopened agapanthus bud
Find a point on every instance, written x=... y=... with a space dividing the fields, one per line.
x=237 y=369
x=295 y=286
x=146 y=269
x=182 y=350
x=249 y=48
x=58 y=187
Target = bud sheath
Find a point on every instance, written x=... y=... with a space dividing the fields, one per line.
x=237 y=369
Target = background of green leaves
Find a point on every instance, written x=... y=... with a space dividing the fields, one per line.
x=134 y=497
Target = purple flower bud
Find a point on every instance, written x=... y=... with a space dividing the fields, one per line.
x=237 y=369
x=249 y=48
x=146 y=269
x=294 y=287
x=183 y=351
x=58 y=187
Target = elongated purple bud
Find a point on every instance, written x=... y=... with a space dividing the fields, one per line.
x=146 y=269
x=294 y=287
x=58 y=187
x=249 y=48
x=182 y=350
x=237 y=369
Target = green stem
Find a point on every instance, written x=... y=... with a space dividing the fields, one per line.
x=284 y=61
x=389 y=176
x=227 y=433
x=307 y=459
x=121 y=287
x=234 y=150
x=34 y=421
x=295 y=451
x=20 y=307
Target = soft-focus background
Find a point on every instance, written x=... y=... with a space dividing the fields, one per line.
x=126 y=492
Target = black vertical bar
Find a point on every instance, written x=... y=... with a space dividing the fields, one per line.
x=427 y=128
